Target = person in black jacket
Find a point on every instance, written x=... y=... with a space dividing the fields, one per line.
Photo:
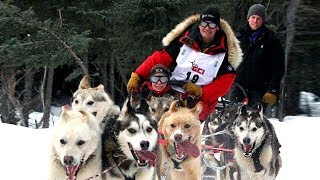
x=263 y=67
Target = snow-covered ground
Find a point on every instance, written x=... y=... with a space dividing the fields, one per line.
x=24 y=151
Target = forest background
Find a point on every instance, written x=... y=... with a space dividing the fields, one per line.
x=46 y=46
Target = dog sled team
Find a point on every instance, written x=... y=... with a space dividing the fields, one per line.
x=169 y=126
x=134 y=144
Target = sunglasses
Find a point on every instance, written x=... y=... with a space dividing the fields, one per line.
x=208 y=24
x=162 y=79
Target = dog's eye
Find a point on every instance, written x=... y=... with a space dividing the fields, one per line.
x=90 y=103
x=149 y=129
x=254 y=129
x=81 y=142
x=241 y=128
x=153 y=110
x=76 y=101
x=167 y=109
x=187 y=126
x=62 y=141
x=172 y=125
x=132 y=131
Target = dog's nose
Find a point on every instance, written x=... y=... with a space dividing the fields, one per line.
x=144 y=145
x=178 y=137
x=246 y=141
x=68 y=160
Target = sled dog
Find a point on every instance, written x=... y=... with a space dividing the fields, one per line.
x=180 y=151
x=220 y=136
x=257 y=147
x=221 y=121
x=130 y=143
x=75 y=147
x=94 y=100
x=159 y=105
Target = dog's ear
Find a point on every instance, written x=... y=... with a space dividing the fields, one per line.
x=144 y=106
x=86 y=116
x=129 y=106
x=134 y=100
x=67 y=114
x=161 y=127
x=174 y=106
x=197 y=109
x=100 y=88
x=64 y=115
x=84 y=83
x=259 y=107
x=243 y=109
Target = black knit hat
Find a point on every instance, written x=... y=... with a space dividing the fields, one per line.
x=257 y=9
x=211 y=14
x=159 y=68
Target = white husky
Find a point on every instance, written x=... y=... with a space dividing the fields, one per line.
x=94 y=100
x=75 y=151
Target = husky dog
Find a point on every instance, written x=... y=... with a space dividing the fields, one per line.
x=219 y=125
x=221 y=121
x=130 y=143
x=159 y=105
x=76 y=146
x=257 y=147
x=94 y=100
x=180 y=151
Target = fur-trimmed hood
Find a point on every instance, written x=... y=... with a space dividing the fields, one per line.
x=234 y=50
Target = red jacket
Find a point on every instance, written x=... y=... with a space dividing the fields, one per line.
x=190 y=37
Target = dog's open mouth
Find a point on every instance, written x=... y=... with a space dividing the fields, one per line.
x=247 y=149
x=186 y=148
x=71 y=172
x=144 y=157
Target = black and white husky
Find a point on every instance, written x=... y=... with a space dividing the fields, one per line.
x=257 y=147
x=130 y=143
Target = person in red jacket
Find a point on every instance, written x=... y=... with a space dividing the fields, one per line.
x=158 y=83
x=201 y=51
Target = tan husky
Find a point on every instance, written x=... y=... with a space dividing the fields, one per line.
x=94 y=100
x=180 y=150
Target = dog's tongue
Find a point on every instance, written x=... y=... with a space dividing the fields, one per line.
x=247 y=148
x=148 y=156
x=71 y=172
x=189 y=148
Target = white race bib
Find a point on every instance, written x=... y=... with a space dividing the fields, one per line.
x=196 y=67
